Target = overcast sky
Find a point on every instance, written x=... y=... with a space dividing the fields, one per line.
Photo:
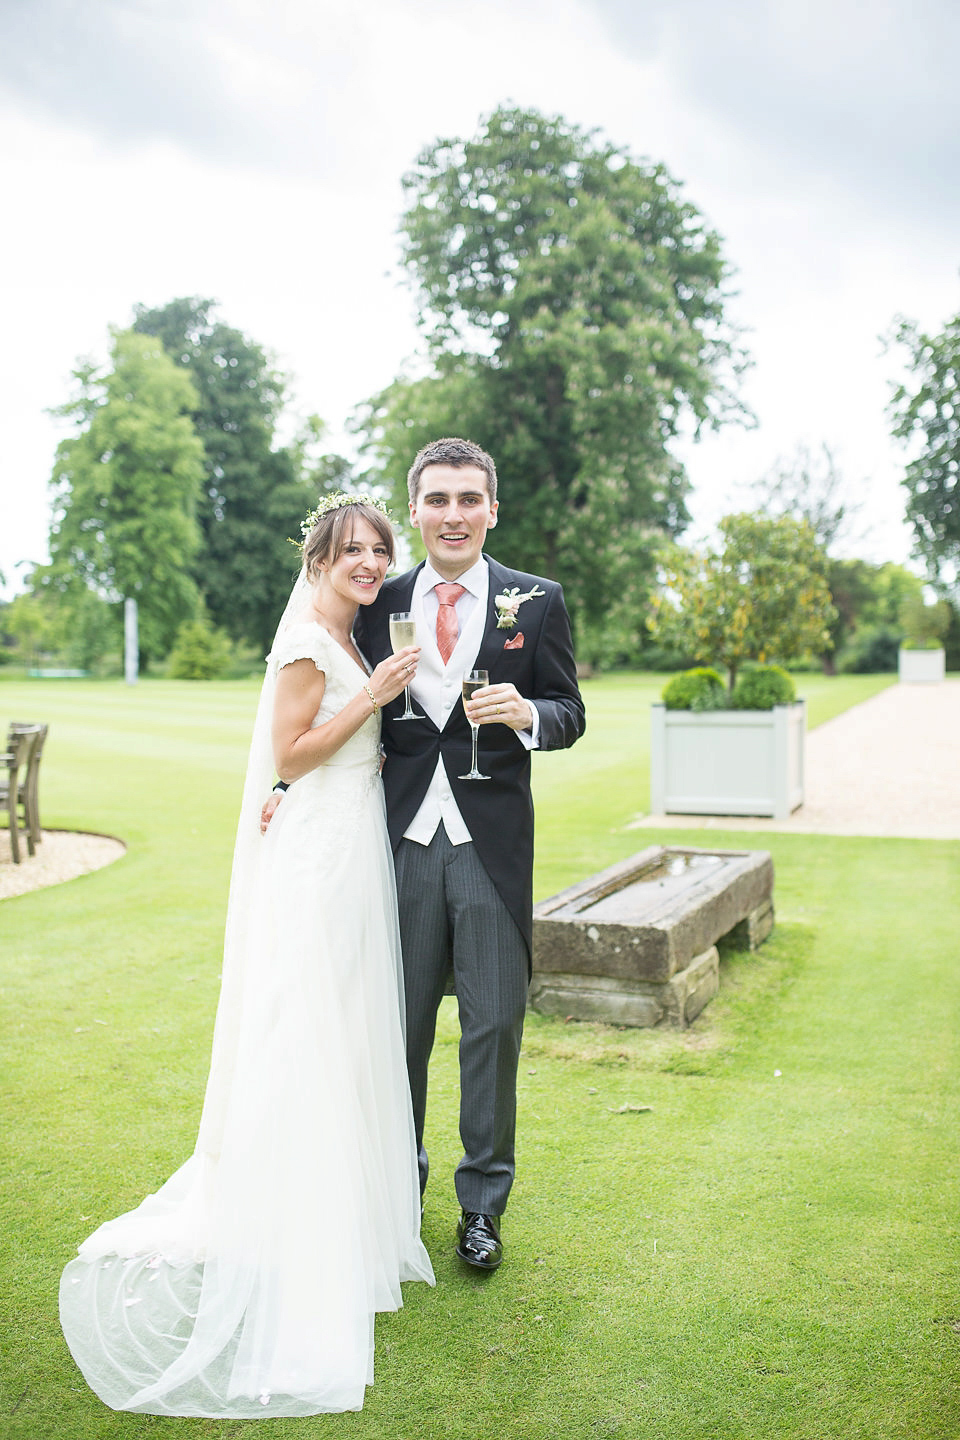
x=252 y=152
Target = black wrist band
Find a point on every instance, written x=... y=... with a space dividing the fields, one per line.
x=281 y=785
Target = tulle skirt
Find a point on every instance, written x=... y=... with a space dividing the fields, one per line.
x=248 y=1284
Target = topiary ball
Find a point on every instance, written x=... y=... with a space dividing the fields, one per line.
x=699 y=689
x=761 y=687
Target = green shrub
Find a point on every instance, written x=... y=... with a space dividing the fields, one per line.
x=761 y=687
x=871 y=650
x=924 y=626
x=697 y=689
x=200 y=652
x=664 y=659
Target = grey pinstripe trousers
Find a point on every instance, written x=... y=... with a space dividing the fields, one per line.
x=451 y=916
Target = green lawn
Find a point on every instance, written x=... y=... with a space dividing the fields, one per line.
x=760 y=1254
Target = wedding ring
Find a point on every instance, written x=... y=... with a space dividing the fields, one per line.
x=499 y=709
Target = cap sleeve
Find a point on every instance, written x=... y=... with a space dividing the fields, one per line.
x=304 y=641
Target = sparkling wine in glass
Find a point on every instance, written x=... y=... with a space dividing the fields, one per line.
x=403 y=632
x=474 y=680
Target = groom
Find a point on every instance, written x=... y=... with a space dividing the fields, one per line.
x=464 y=848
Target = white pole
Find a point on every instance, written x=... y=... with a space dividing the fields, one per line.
x=131 y=642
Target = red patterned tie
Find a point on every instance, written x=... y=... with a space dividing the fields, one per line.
x=447 y=628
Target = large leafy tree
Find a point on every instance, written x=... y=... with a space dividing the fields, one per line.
x=926 y=411
x=762 y=595
x=253 y=497
x=125 y=488
x=573 y=306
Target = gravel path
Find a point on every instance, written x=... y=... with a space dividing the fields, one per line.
x=61 y=855
x=890 y=766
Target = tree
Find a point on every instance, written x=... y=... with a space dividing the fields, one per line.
x=573 y=307
x=924 y=626
x=125 y=489
x=321 y=471
x=809 y=487
x=253 y=497
x=927 y=412
x=200 y=652
x=52 y=618
x=33 y=623
x=867 y=597
x=762 y=596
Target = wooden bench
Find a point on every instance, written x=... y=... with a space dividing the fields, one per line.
x=19 y=790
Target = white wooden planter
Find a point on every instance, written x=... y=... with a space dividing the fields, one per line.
x=727 y=762
x=921 y=667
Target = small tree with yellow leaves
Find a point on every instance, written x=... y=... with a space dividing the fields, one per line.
x=762 y=595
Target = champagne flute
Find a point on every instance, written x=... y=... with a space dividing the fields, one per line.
x=403 y=632
x=474 y=680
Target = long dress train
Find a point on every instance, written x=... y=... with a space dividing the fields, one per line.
x=248 y=1284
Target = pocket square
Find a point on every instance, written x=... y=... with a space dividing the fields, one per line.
x=516 y=643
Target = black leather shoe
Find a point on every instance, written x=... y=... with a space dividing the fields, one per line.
x=479 y=1240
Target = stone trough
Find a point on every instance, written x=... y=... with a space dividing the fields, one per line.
x=636 y=944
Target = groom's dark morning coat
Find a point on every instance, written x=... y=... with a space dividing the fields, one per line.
x=498 y=812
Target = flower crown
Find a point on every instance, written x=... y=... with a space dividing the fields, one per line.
x=337 y=502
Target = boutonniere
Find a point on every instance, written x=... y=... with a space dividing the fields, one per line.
x=509 y=603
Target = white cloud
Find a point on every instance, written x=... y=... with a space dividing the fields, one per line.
x=866 y=94
x=253 y=154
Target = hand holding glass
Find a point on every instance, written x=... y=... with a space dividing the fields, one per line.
x=474 y=680
x=403 y=632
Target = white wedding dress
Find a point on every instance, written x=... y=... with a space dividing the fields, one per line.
x=248 y=1284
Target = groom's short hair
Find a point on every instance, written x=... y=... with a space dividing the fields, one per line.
x=452 y=451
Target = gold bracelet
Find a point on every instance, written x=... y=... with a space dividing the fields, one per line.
x=373 y=699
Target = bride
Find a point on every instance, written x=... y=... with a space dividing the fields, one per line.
x=248 y=1284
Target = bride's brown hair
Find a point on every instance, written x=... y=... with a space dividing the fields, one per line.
x=333 y=532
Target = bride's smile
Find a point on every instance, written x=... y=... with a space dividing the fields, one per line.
x=357 y=573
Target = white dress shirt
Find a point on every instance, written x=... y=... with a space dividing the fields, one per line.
x=437 y=687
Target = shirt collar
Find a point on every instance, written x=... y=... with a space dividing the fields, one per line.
x=475 y=579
